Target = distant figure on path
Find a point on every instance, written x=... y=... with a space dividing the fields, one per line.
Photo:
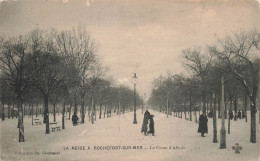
x=210 y=114
x=231 y=114
x=239 y=114
x=74 y=119
x=243 y=114
x=203 y=124
x=145 y=122
x=3 y=116
x=151 y=125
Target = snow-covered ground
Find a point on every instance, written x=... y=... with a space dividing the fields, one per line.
x=175 y=139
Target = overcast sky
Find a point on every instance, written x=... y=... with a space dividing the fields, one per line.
x=142 y=36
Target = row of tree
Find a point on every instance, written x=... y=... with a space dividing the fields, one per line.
x=235 y=57
x=57 y=67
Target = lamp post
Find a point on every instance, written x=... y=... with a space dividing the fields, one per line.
x=222 y=130
x=135 y=82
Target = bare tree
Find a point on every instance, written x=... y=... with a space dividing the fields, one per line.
x=53 y=71
x=80 y=47
x=13 y=64
x=240 y=53
x=200 y=65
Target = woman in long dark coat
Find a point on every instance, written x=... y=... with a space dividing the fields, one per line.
x=239 y=114
x=74 y=119
x=145 y=122
x=151 y=125
x=203 y=124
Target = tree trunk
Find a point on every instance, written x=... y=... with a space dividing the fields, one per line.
x=245 y=106
x=63 y=113
x=20 y=119
x=253 y=118
x=117 y=109
x=235 y=108
x=3 y=112
x=230 y=111
x=9 y=112
x=37 y=110
x=46 y=113
x=13 y=112
x=70 y=111
x=95 y=113
x=204 y=100
x=105 y=110
x=75 y=103
x=54 y=112
x=82 y=107
x=92 y=110
x=190 y=104
x=207 y=106
x=23 y=108
x=32 y=114
x=108 y=110
x=225 y=111
x=89 y=110
x=215 y=140
x=210 y=107
x=219 y=116
x=100 y=111
x=185 y=111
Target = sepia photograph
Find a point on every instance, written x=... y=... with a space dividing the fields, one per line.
x=129 y=80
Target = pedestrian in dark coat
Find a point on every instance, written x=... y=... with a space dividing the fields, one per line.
x=145 y=122
x=3 y=116
x=74 y=119
x=243 y=114
x=231 y=114
x=239 y=114
x=147 y=112
x=151 y=125
x=210 y=114
x=203 y=124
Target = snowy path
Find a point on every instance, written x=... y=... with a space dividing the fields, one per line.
x=119 y=131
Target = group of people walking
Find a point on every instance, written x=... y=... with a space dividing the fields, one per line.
x=148 y=118
x=203 y=120
x=239 y=114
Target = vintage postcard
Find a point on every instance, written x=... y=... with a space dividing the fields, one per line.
x=129 y=80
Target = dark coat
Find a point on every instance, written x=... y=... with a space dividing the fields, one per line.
x=243 y=114
x=239 y=114
x=231 y=115
x=203 y=124
x=147 y=112
x=74 y=119
x=145 y=122
x=151 y=125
